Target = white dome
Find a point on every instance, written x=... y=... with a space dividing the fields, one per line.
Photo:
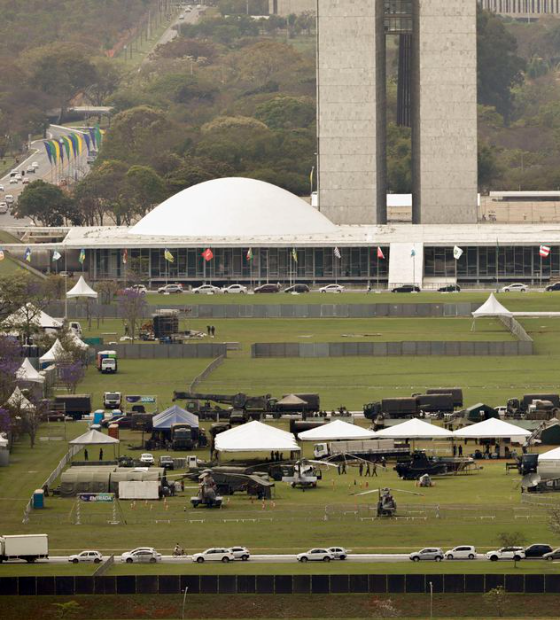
x=233 y=207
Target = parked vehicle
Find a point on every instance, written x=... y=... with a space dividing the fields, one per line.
x=214 y=555
x=450 y=288
x=74 y=405
x=107 y=362
x=112 y=400
x=147 y=459
x=9 y=199
x=315 y=555
x=552 y=555
x=429 y=553
x=141 y=555
x=86 y=556
x=3 y=208
x=406 y=288
x=241 y=553
x=28 y=547
x=166 y=462
x=553 y=287
x=537 y=551
x=26 y=180
x=267 y=288
x=75 y=325
x=35 y=164
x=140 y=288
x=170 y=289
x=207 y=289
x=362 y=448
x=338 y=553
x=297 y=288
x=1 y=187
x=332 y=288
x=506 y=553
x=516 y=287
x=31 y=170
x=235 y=289
x=465 y=552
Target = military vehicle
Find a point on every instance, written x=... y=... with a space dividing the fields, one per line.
x=534 y=407
x=207 y=493
x=419 y=463
x=230 y=480
x=410 y=407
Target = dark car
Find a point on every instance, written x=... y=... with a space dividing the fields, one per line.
x=124 y=422
x=406 y=288
x=537 y=551
x=553 y=287
x=297 y=288
x=267 y=288
x=450 y=288
x=166 y=462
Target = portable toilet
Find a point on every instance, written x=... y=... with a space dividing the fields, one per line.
x=38 y=498
x=98 y=416
x=4 y=452
x=113 y=431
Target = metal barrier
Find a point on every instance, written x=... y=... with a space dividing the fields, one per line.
x=515 y=327
x=206 y=372
x=105 y=566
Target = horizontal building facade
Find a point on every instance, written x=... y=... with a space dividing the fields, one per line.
x=522 y=8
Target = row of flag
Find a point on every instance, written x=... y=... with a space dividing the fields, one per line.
x=71 y=145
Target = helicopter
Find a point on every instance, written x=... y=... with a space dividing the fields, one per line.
x=304 y=473
x=386 y=504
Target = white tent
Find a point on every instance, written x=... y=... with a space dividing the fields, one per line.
x=81 y=289
x=493 y=428
x=93 y=438
x=76 y=340
x=53 y=353
x=336 y=430
x=18 y=400
x=292 y=399
x=414 y=429
x=551 y=455
x=29 y=313
x=26 y=372
x=3 y=442
x=491 y=308
x=255 y=437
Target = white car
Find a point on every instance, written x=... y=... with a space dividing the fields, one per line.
x=207 y=289
x=241 y=553
x=170 y=289
x=137 y=287
x=235 y=289
x=86 y=556
x=31 y=170
x=332 y=288
x=506 y=553
x=141 y=555
x=464 y=552
x=9 y=199
x=315 y=555
x=35 y=164
x=1 y=187
x=217 y=554
x=339 y=553
x=147 y=459
x=3 y=207
x=26 y=180
x=517 y=287
x=14 y=181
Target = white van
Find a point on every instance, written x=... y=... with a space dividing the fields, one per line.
x=9 y=199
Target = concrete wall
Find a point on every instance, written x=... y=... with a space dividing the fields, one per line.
x=351 y=111
x=392 y=349
x=278 y=584
x=444 y=91
x=166 y=351
x=287 y=7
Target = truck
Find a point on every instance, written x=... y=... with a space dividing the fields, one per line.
x=74 y=405
x=28 y=547
x=534 y=406
x=409 y=407
x=112 y=400
x=367 y=449
x=182 y=437
x=107 y=362
x=456 y=393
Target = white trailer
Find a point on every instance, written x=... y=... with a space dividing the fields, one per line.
x=362 y=448
x=29 y=547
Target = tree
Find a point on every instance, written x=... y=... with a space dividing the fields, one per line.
x=47 y=204
x=287 y=112
x=498 y=600
x=10 y=360
x=108 y=76
x=132 y=308
x=512 y=539
x=30 y=419
x=488 y=168
x=71 y=371
x=144 y=188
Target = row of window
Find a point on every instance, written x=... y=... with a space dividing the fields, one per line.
x=537 y=7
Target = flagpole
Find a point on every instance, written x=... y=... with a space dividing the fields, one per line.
x=377 y=271
x=497 y=265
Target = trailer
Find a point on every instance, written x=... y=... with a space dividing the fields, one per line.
x=410 y=407
x=367 y=449
x=456 y=393
x=28 y=547
x=74 y=405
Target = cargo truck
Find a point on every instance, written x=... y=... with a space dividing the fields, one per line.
x=107 y=362
x=409 y=407
x=29 y=547
x=368 y=449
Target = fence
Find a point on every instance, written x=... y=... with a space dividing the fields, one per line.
x=278 y=584
x=391 y=349
x=515 y=327
x=166 y=351
x=206 y=372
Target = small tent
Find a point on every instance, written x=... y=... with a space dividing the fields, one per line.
x=337 y=430
x=414 y=429
x=32 y=315
x=255 y=437
x=174 y=415
x=479 y=413
x=93 y=438
x=18 y=401
x=291 y=400
x=492 y=428
x=81 y=289
x=51 y=356
x=549 y=433
x=491 y=308
x=26 y=372
x=77 y=341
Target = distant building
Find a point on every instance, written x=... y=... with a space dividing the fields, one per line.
x=287 y=7
x=522 y=8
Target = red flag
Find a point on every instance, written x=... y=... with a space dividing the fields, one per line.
x=125 y=256
x=208 y=255
x=380 y=253
x=544 y=251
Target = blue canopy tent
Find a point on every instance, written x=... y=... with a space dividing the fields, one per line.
x=174 y=415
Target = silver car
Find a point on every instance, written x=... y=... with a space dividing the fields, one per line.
x=434 y=554
x=338 y=553
x=241 y=553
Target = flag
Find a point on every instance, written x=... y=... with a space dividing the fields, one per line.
x=124 y=256
x=50 y=151
x=544 y=251
x=65 y=142
x=207 y=255
x=56 y=255
x=1 y=253
x=311 y=177
x=337 y=253
x=168 y=256
x=27 y=255
x=380 y=253
x=82 y=256
x=250 y=255
x=457 y=252
x=412 y=253
x=294 y=255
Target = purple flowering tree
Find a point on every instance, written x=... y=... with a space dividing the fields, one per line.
x=71 y=373
x=5 y=421
x=10 y=360
x=132 y=307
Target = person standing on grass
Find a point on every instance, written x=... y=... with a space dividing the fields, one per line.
x=361 y=468
x=100 y=454
x=86 y=455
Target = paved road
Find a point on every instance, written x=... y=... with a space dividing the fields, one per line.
x=46 y=171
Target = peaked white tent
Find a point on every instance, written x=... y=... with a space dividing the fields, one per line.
x=93 y=438
x=414 y=429
x=53 y=353
x=493 y=428
x=255 y=437
x=174 y=415
x=491 y=308
x=292 y=399
x=18 y=400
x=77 y=341
x=336 y=430
x=81 y=289
x=38 y=318
x=26 y=372
x=551 y=455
